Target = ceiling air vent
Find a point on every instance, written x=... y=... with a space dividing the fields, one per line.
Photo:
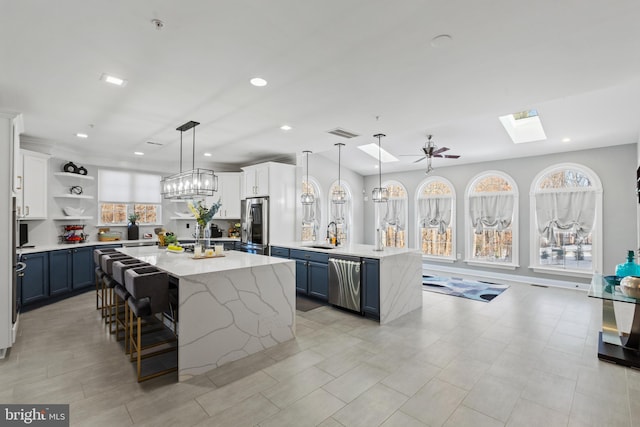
x=153 y=143
x=343 y=133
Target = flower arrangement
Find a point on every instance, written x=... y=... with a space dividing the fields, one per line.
x=133 y=218
x=203 y=214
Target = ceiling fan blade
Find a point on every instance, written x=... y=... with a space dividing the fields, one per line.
x=450 y=156
x=440 y=156
x=419 y=160
x=441 y=150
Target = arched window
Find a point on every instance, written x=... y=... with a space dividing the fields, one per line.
x=396 y=215
x=311 y=214
x=566 y=207
x=435 y=213
x=491 y=229
x=341 y=214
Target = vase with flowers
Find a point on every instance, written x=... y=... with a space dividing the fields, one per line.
x=133 y=231
x=203 y=216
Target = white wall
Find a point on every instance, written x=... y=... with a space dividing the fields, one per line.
x=616 y=167
x=325 y=172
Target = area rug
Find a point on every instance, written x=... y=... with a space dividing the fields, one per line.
x=471 y=289
x=306 y=304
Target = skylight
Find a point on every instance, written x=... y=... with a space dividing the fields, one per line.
x=523 y=126
x=372 y=150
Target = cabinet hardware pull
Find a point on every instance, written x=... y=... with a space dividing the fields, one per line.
x=20 y=178
x=26 y=210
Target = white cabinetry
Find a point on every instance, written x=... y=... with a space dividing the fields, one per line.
x=278 y=182
x=228 y=194
x=31 y=195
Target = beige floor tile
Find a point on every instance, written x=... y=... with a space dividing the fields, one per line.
x=308 y=411
x=440 y=353
x=340 y=363
x=297 y=386
x=371 y=408
x=550 y=391
x=400 y=419
x=566 y=343
x=330 y=422
x=354 y=382
x=600 y=411
x=249 y=412
x=464 y=372
x=494 y=397
x=530 y=414
x=114 y=416
x=605 y=380
x=294 y=364
x=185 y=415
x=434 y=403
x=411 y=377
x=466 y=417
x=225 y=397
x=237 y=369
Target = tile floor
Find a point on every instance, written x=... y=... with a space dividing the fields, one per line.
x=528 y=358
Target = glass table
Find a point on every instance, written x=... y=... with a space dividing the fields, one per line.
x=614 y=346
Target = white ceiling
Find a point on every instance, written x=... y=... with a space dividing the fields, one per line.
x=329 y=64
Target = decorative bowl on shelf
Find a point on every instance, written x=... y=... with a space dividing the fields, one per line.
x=69 y=211
x=184 y=214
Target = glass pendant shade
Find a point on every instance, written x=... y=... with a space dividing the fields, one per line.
x=379 y=194
x=338 y=195
x=307 y=198
x=191 y=183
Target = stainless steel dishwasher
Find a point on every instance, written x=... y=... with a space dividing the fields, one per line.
x=344 y=282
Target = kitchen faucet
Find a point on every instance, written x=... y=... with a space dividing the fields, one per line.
x=335 y=234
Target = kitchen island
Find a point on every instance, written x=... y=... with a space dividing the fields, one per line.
x=229 y=307
x=399 y=274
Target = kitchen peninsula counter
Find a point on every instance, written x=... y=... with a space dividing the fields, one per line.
x=229 y=307
x=400 y=274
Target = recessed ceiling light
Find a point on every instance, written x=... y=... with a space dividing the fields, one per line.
x=138 y=153
x=82 y=135
x=257 y=81
x=207 y=154
x=286 y=127
x=372 y=150
x=117 y=81
x=566 y=139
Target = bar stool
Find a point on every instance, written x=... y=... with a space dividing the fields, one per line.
x=108 y=283
x=121 y=294
x=97 y=253
x=149 y=295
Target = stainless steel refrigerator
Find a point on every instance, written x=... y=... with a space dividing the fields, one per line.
x=254 y=217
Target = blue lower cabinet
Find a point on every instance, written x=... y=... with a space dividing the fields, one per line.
x=279 y=252
x=60 y=271
x=371 y=286
x=302 y=280
x=35 y=282
x=83 y=274
x=318 y=280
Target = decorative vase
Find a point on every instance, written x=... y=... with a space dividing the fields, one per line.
x=629 y=268
x=133 y=231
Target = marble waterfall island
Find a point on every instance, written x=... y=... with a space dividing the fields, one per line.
x=229 y=307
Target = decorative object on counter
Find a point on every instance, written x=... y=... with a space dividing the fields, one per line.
x=191 y=183
x=611 y=283
x=203 y=216
x=69 y=211
x=629 y=268
x=338 y=196
x=234 y=231
x=630 y=286
x=379 y=195
x=307 y=197
x=76 y=189
x=82 y=170
x=133 y=231
x=147 y=235
x=106 y=235
x=170 y=238
x=73 y=234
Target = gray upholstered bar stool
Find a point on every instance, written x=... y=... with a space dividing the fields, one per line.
x=149 y=295
x=108 y=283
x=121 y=295
x=97 y=253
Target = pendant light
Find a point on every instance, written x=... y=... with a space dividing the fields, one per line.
x=338 y=196
x=379 y=194
x=191 y=183
x=307 y=198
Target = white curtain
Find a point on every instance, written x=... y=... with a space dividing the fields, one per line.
x=491 y=210
x=435 y=212
x=395 y=214
x=574 y=211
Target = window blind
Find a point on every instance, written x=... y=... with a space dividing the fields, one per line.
x=128 y=187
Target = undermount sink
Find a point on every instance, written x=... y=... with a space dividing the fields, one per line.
x=321 y=246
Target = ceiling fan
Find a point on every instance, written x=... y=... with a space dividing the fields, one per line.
x=430 y=151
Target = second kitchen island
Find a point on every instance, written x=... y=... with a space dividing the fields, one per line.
x=229 y=307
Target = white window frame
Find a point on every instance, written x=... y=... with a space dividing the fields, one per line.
x=418 y=234
x=318 y=204
x=468 y=228
x=128 y=196
x=596 y=232
x=348 y=208
x=388 y=183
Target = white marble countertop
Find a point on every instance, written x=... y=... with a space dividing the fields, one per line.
x=357 y=250
x=183 y=264
x=139 y=242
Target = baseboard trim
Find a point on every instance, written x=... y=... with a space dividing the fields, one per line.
x=531 y=280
